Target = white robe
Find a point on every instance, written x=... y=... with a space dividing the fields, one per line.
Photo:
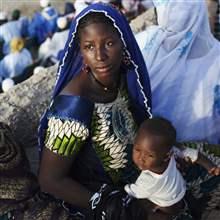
x=183 y=61
x=51 y=47
x=10 y=30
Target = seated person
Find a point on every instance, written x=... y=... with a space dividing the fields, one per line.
x=43 y=23
x=182 y=58
x=160 y=181
x=16 y=28
x=14 y=63
x=51 y=47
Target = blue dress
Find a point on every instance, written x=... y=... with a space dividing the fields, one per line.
x=99 y=137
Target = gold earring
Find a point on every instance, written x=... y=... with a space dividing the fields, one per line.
x=126 y=59
x=85 y=68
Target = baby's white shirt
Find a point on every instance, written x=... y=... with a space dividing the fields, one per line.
x=164 y=189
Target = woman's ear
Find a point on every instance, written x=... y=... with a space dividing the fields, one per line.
x=85 y=68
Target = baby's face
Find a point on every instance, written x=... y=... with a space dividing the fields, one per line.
x=147 y=155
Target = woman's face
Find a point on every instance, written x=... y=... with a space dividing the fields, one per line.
x=102 y=50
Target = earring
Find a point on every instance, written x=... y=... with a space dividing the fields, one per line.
x=85 y=68
x=126 y=58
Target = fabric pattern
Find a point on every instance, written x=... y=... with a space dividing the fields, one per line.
x=203 y=186
x=66 y=137
x=113 y=133
x=69 y=119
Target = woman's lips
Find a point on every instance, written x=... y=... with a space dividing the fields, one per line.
x=104 y=68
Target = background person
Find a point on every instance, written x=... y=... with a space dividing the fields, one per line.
x=16 y=28
x=50 y=49
x=14 y=63
x=182 y=57
x=43 y=23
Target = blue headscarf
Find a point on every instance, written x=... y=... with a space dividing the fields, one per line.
x=138 y=82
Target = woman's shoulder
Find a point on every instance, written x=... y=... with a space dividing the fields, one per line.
x=69 y=123
x=71 y=107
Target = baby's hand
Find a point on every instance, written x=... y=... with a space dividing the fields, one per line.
x=215 y=171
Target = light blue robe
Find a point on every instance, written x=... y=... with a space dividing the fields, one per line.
x=12 y=29
x=13 y=64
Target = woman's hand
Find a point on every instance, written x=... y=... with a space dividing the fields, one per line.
x=113 y=203
x=214 y=171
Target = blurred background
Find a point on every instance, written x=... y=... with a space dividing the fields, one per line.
x=28 y=7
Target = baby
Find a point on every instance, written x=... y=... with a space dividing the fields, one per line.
x=154 y=153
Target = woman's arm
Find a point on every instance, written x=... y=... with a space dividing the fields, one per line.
x=54 y=179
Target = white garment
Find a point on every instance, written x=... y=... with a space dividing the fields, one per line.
x=14 y=63
x=183 y=61
x=81 y=4
x=51 y=47
x=131 y=5
x=147 y=3
x=164 y=189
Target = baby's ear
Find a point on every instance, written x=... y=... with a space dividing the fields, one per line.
x=168 y=155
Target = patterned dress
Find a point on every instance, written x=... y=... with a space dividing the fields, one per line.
x=99 y=137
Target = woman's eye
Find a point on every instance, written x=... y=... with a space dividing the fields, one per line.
x=110 y=43
x=89 y=47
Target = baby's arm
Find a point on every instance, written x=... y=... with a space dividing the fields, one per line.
x=194 y=156
x=208 y=164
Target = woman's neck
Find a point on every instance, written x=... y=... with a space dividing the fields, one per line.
x=111 y=86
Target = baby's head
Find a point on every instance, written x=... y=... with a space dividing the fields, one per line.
x=152 y=144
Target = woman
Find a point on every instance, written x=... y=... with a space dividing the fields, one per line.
x=182 y=58
x=102 y=94
x=89 y=128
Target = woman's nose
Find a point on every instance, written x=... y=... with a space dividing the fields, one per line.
x=101 y=54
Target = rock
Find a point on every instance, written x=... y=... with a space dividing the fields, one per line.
x=22 y=106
